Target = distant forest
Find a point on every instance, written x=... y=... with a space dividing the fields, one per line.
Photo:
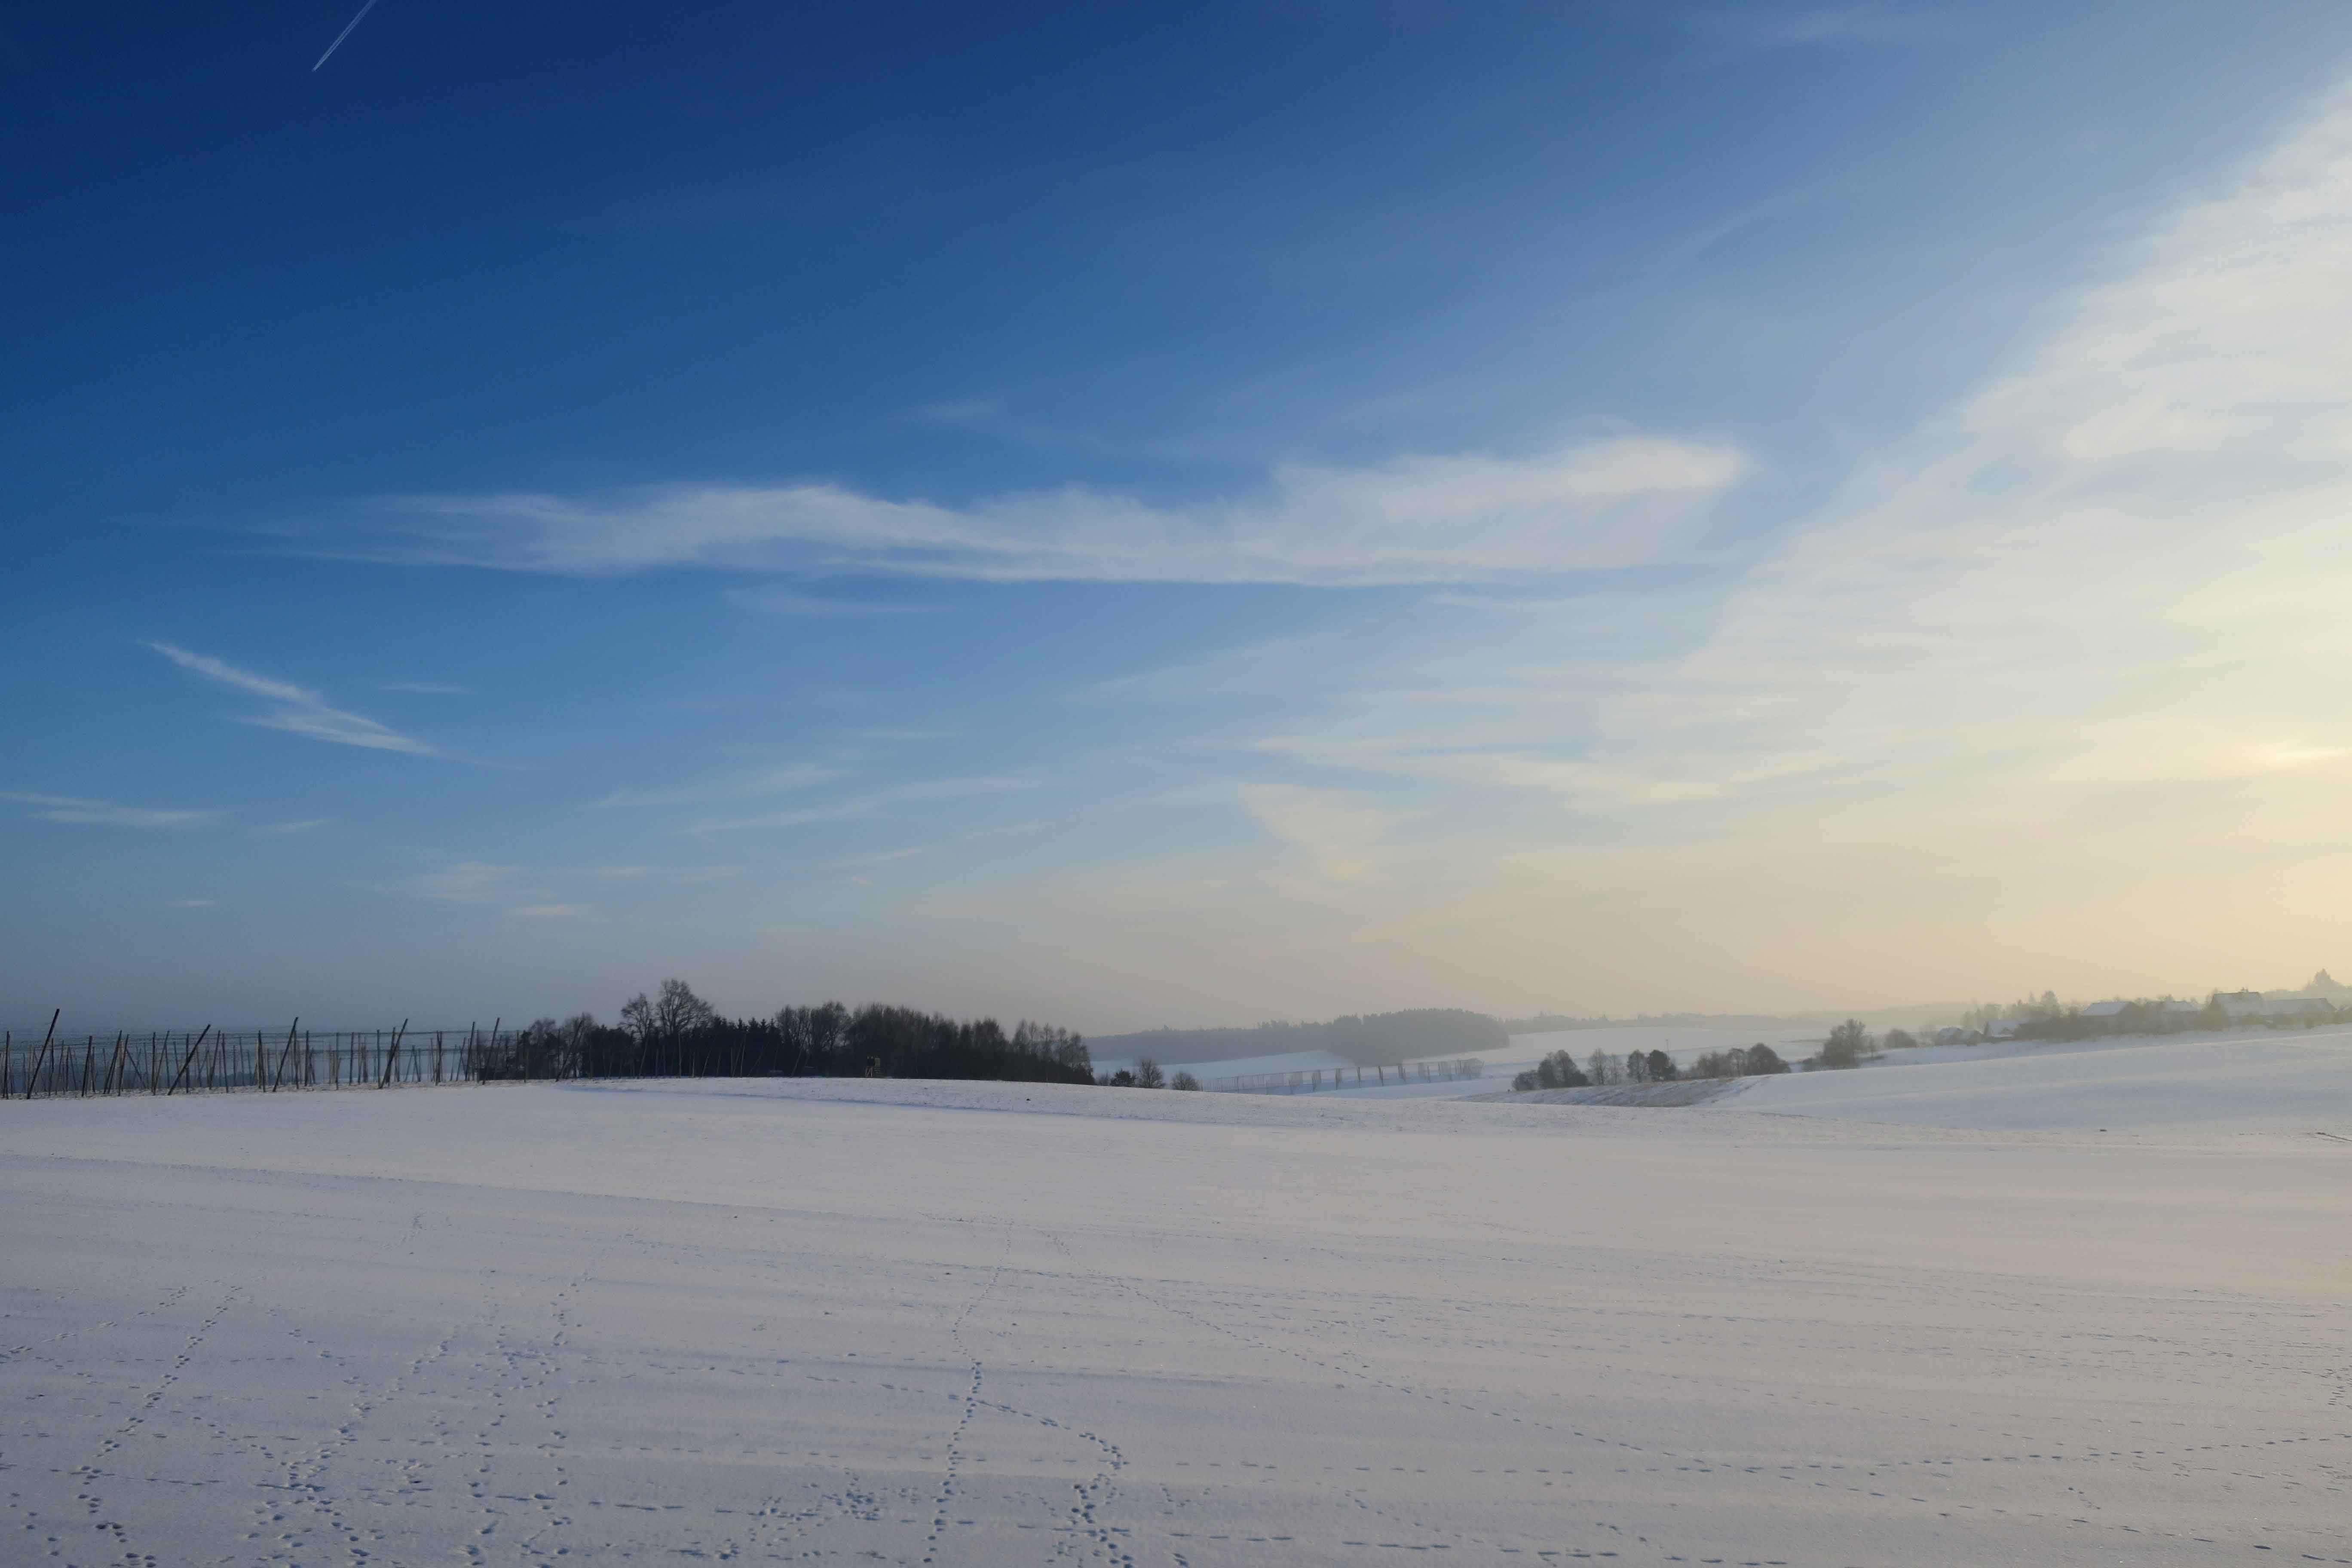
x=1376 y=1039
x=677 y=1034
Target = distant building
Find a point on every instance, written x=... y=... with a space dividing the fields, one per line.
x=2254 y=1004
x=2105 y=1009
x=2002 y=1029
x=1957 y=1036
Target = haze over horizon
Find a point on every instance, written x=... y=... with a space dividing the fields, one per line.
x=1284 y=510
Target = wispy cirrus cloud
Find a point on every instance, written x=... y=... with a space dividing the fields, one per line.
x=809 y=607
x=478 y=882
x=870 y=804
x=750 y=783
x=425 y=688
x=106 y=812
x=555 y=894
x=1598 y=505
x=2119 y=565
x=883 y=857
x=291 y=829
x=962 y=788
x=297 y=709
x=653 y=876
x=1341 y=836
x=2121 y=562
x=802 y=816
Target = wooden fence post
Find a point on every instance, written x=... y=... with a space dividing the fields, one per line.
x=44 y=1056
x=277 y=1076
x=184 y=1065
x=393 y=1055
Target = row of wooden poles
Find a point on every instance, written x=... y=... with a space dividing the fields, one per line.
x=1310 y=1081
x=180 y=1063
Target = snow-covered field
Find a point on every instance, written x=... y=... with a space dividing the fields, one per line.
x=946 y=1324
x=2244 y=1079
x=2251 y=1081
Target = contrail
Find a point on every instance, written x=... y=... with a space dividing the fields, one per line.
x=346 y=32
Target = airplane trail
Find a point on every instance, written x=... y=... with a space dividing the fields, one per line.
x=346 y=32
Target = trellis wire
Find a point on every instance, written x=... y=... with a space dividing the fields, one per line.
x=1310 y=1081
x=210 y=1060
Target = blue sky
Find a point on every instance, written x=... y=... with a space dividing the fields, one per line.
x=1236 y=512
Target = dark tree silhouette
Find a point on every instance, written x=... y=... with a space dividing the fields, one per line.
x=679 y=1034
x=1558 y=1071
x=1849 y=1045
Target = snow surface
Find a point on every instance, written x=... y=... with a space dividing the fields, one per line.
x=2275 y=1080
x=978 y=1324
x=2284 y=1080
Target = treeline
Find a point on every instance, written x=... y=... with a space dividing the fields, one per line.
x=1599 y=1071
x=1374 y=1039
x=677 y=1034
x=2047 y=1019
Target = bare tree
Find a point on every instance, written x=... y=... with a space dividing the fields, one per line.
x=678 y=1012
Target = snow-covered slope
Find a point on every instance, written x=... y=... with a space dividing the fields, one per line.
x=2289 y=1081
x=958 y=1324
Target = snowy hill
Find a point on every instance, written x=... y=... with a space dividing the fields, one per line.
x=2263 y=1081
x=979 y=1324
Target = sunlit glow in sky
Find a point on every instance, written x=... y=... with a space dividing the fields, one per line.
x=1266 y=511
